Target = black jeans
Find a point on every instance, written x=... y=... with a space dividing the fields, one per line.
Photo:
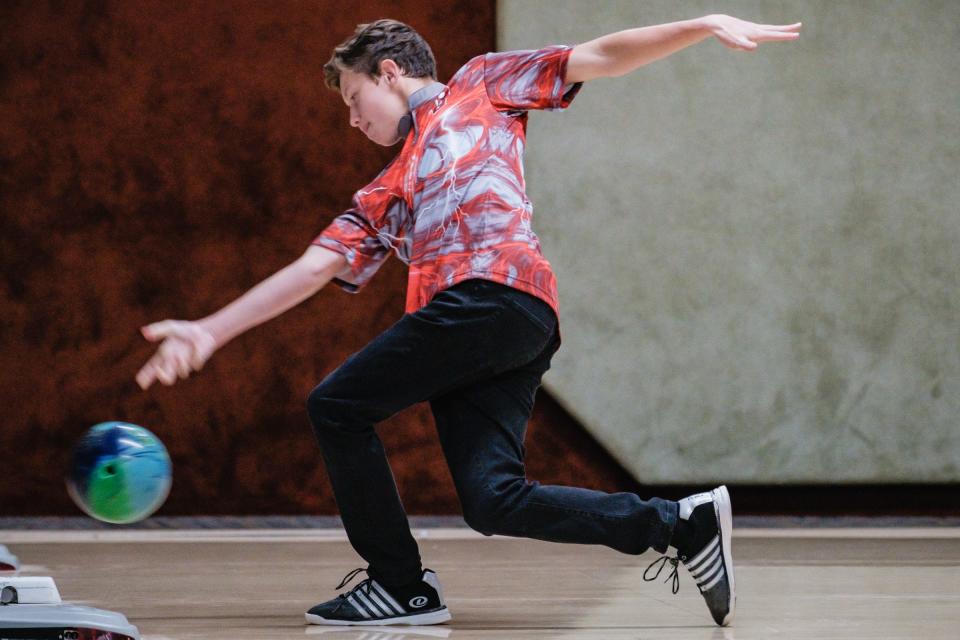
x=477 y=353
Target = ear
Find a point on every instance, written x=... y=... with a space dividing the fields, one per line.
x=390 y=70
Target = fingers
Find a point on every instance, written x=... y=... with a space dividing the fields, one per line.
x=159 y=330
x=146 y=376
x=736 y=41
x=781 y=27
x=777 y=35
x=182 y=366
x=175 y=358
x=185 y=348
x=749 y=41
x=173 y=361
x=199 y=359
x=152 y=331
x=166 y=374
x=153 y=371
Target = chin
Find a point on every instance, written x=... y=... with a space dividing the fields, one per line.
x=389 y=143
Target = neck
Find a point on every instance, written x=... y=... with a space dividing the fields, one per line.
x=410 y=86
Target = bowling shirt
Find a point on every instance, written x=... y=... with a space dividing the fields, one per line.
x=452 y=204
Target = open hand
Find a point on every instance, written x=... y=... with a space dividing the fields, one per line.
x=185 y=348
x=740 y=34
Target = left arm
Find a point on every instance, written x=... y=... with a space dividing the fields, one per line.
x=620 y=53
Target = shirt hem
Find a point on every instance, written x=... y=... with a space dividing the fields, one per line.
x=546 y=295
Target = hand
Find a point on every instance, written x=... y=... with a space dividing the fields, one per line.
x=186 y=347
x=740 y=34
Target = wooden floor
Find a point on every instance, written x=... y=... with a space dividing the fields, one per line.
x=817 y=584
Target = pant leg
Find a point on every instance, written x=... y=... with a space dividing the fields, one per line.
x=482 y=428
x=464 y=334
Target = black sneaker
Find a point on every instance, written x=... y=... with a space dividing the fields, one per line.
x=702 y=541
x=371 y=604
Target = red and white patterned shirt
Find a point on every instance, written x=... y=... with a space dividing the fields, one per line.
x=452 y=204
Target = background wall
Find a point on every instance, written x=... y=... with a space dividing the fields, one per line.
x=757 y=252
x=753 y=249
x=157 y=159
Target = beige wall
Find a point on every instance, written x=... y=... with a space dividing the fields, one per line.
x=757 y=252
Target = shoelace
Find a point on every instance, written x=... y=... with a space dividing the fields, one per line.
x=662 y=561
x=365 y=585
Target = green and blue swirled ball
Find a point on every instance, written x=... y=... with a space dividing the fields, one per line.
x=120 y=473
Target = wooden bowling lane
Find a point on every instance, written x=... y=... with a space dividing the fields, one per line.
x=797 y=584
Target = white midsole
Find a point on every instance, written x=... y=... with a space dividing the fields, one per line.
x=725 y=514
x=431 y=617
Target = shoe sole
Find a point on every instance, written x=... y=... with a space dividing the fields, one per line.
x=437 y=616
x=724 y=511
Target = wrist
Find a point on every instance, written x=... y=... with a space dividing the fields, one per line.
x=213 y=328
x=707 y=23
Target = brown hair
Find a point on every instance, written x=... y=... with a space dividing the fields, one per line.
x=376 y=41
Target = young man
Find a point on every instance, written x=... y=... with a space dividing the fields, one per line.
x=481 y=323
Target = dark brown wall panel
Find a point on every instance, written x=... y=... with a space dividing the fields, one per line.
x=157 y=159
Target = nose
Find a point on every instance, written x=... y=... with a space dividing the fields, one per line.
x=354 y=118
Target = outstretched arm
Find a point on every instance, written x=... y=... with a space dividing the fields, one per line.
x=187 y=345
x=620 y=53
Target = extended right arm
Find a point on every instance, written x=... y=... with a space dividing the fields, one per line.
x=283 y=290
x=187 y=345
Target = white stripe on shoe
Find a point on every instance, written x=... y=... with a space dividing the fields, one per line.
x=709 y=571
x=356 y=605
x=694 y=562
x=387 y=609
x=709 y=574
x=707 y=566
x=717 y=578
x=371 y=606
x=388 y=598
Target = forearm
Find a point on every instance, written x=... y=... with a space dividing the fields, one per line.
x=620 y=53
x=283 y=290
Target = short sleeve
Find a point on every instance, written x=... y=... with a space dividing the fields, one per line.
x=529 y=79
x=352 y=237
x=355 y=234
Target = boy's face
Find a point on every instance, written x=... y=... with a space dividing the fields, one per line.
x=376 y=106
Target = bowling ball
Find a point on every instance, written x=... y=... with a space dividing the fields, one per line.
x=119 y=473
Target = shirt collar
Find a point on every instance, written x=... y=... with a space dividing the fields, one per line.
x=417 y=98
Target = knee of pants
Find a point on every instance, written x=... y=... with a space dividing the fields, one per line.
x=490 y=512
x=330 y=415
x=480 y=518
